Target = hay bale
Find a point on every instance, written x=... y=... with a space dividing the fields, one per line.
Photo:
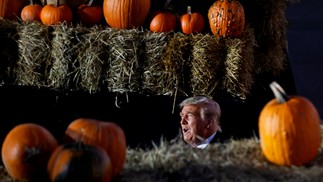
x=91 y=60
x=124 y=74
x=34 y=54
x=235 y=160
x=153 y=78
x=63 y=46
x=206 y=64
x=177 y=73
x=8 y=49
x=270 y=27
x=239 y=65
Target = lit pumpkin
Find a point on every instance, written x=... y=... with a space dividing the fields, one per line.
x=90 y=14
x=31 y=12
x=289 y=129
x=163 y=21
x=191 y=23
x=10 y=9
x=79 y=162
x=126 y=14
x=227 y=18
x=53 y=14
x=107 y=135
x=26 y=151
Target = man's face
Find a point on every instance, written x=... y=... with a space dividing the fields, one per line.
x=193 y=127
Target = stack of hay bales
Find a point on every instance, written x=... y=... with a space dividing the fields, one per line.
x=91 y=59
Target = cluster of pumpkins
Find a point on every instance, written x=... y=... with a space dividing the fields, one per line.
x=93 y=150
x=226 y=17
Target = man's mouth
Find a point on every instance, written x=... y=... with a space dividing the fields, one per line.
x=185 y=130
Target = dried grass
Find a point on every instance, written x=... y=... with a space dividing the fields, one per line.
x=236 y=160
x=91 y=61
x=8 y=50
x=239 y=65
x=63 y=46
x=124 y=73
x=206 y=64
x=176 y=65
x=34 y=55
x=271 y=54
x=154 y=80
x=72 y=57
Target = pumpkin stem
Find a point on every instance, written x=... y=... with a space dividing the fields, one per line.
x=90 y=3
x=31 y=2
x=56 y=3
x=189 y=10
x=279 y=92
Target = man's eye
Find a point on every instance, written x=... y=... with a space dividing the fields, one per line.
x=190 y=116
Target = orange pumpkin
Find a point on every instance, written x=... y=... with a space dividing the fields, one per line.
x=289 y=129
x=31 y=12
x=107 y=135
x=79 y=162
x=26 y=151
x=52 y=14
x=10 y=9
x=227 y=18
x=192 y=23
x=126 y=14
x=163 y=21
x=90 y=14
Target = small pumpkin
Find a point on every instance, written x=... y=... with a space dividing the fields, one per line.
x=289 y=129
x=31 y=12
x=53 y=14
x=10 y=9
x=79 y=162
x=126 y=14
x=227 y=18
x=107 y=135
x=90 y=14
x=191 y=23
x=163 y=21
x=26 y=150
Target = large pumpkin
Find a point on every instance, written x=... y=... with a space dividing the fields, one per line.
x=126 y=14
x=227 y=18
x=10 y=9
x=79 y=162
x=289 y=129
x=26 y=151
x=107 y=135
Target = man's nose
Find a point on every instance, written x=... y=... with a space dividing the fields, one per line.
x=183 y=120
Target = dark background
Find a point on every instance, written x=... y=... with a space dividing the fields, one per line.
x=305 y=45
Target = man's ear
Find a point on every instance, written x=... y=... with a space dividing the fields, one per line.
x=209 y=123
